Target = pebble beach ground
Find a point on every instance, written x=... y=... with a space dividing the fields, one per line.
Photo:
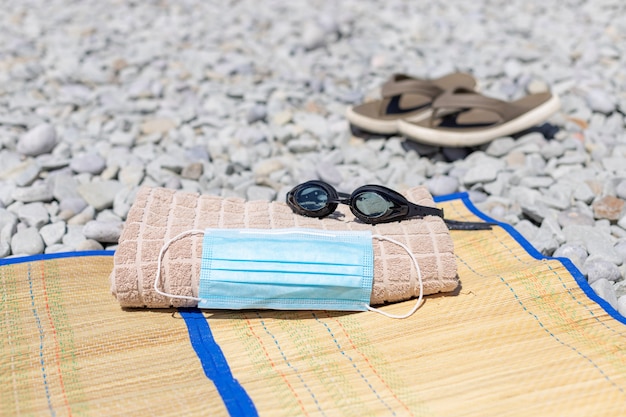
x=247 y=98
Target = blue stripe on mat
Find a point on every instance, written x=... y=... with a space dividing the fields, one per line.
x=48 y=256
x=530 y=249
x=215 y=366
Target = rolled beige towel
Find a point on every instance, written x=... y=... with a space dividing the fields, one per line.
x=159 y=214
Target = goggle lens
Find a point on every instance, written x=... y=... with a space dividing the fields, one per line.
x=313 y=198
x=372 y=204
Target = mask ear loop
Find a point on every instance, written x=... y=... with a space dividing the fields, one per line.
x=164 y=248
x=418 y=303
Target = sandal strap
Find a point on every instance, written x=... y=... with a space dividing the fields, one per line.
x=394 y=88
x=466 y=99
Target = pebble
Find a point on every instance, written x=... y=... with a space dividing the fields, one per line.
x=251 y=111
x=89 y=163
x=33 y=215
x=442 y=185
x=158 y=126
x=89 y=245
x=604 y=288
x=27 y=242
x=39 y=140
x=100 y=194
x=103 y=232
x=39 y=192
x=52 y=233
x=597 y=268
x=608 y=207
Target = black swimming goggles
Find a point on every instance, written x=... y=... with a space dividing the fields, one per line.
x=371 y=204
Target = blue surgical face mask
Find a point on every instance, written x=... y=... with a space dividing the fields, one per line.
x=286 y=269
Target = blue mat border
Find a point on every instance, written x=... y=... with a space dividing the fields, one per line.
x=578 y=276
x=59 y=255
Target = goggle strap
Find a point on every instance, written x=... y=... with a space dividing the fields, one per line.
x=417 y=210
x=459 y=225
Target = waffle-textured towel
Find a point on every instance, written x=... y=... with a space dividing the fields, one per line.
x=159 y=214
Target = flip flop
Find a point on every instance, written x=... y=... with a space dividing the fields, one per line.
x=404 y=97
x=462 y=118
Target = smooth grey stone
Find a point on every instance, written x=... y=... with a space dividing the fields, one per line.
x=27 y=242
x=575 y=253
x=197 y=154
x=302 y=145
x=33 y=215
x=241 y=156
x=327 y=171
x=108 y=216
x=39 y=140
x=584 y=193
x=594 y=240
x=545 y=240
x=574 y=216
x=6 y=190
x=259 y=192
x=572 y=158
x=9 y=161
x=597 y=268
x=72 y=204
x=536 y=182
x=620 y=286
x=481 y=173
x=5 y=249
x=621 y=305
x=52 y=233
x=620 y=188
x=83 y=217
x=34 y=193
x=527 y=230
x=73 y=236
x=89 y=163
x=559 y=202
x=100 y=194
x=552 y=149
x=124 y=139
x=442 y=185
x=266 y=167
x=8 y=227
x=28 y=175
x=59 y=248
x=89 y=245
x=617 y=231
x=256 y=113
x=192 y=171
x=64 y=186
x=604 y=289
x=600 y=101
x=536 y=212
x=620 y=248
x=123 y=201
x=524 y=195
x=314 y=123
x=105 y=232
x=613 y=164
x=131 y=175
x=51 y=162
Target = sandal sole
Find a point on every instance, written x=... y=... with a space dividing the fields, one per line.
x=475 y=137
x=383 y=127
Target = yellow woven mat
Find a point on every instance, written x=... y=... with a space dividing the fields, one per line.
x=521 y=337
